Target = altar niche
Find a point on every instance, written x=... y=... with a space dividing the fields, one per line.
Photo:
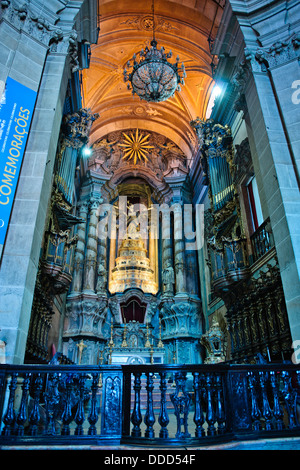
x=133 y=310
x=133 y=253
x=136 y=259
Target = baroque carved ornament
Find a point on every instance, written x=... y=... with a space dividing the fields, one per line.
x=136 y=147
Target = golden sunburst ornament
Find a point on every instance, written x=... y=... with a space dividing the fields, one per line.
x=136 y=147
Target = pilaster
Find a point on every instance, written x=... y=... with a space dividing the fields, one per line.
x=35 y=52
x=91 y=248
x=80 y=249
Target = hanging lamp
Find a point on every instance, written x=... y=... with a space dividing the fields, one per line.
x=153 y=78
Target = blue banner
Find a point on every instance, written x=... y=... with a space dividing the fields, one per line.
x=16 y=109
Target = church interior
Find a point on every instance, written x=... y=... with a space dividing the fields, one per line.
x=154 y=220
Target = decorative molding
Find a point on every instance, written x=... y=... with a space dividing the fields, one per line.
x=165 y=159
x=141 y=110
x=142 y=22
x=242 y=160
x=279 y=53
x=25 y=19
x=76 y=127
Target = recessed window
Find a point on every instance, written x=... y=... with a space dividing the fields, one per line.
x=254 y=202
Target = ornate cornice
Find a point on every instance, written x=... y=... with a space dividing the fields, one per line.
x=24 y=18
x=260 y=60
x=278 y=54
x=43 y=29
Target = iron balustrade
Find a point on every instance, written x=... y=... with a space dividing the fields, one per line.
x=166 y=405
x=262 y=240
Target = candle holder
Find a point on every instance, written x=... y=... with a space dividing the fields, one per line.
x=80 y=347
x=147 y=344
x=174 y=353
x=124 y=342
x=100 y=383
x=151 y=354
x=160 y=343
x=111 y=343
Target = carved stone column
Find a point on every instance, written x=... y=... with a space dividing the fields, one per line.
x=153 y=255
x=192 y=279
x=91 y=252
x=179 y=250
x=80 y=249
x=167 y=249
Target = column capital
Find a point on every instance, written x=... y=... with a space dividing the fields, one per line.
x=95 y=201
x=76 y=127
x=83 y=206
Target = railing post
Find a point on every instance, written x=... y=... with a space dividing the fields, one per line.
x=163 y=418
x=35 y=413
x=198 y=416
x=67 y=412
x=181 y=401
x=136 y=417
x=51 y=397
x=290 y=397
x=255 y=413
x=22 y=415
x=210 y=413
x=277 y=409
x=149 y=416
x=266 y=410
x=80 y=417
x=93 y=415
x=9 y=417
x=220 y=412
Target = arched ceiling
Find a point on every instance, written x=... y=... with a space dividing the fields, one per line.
x=125 y=28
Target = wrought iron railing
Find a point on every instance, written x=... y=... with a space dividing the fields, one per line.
x=148 y=404
x=262 y=240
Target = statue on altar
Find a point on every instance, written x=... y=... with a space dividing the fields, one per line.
x=102 y=278
x=168 y=279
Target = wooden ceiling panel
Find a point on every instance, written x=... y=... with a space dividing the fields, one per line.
x=126 y=27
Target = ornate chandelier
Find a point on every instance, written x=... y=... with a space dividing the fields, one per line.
x=153 y=78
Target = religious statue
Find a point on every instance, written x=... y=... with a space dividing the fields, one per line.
x=102 y=278
x=168 y=279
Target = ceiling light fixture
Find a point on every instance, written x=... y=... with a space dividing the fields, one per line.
x=153 y=77
x=87 y=151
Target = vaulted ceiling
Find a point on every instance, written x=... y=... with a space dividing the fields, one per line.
x=126 y=27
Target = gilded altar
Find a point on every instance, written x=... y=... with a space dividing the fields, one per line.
x=132 y=268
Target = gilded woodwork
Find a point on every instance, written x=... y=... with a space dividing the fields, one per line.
x=257 y=318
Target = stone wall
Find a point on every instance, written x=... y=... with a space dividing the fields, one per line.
x=39 y=51
x=259 y=57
